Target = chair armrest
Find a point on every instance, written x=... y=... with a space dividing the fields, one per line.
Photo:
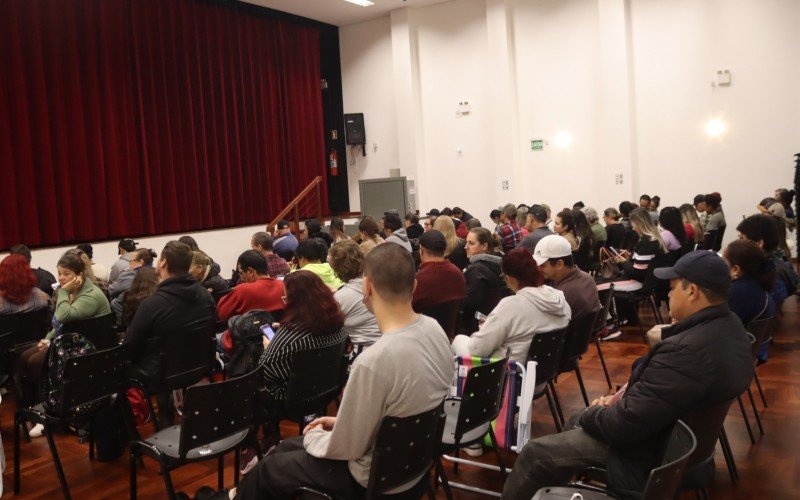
x=591 y=487
x=594 y=475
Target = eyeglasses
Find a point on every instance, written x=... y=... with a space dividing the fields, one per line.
x=285 y=299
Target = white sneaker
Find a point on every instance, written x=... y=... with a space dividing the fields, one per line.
x=474 y=450
x=36 y=431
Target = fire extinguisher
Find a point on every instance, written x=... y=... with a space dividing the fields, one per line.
x=333 y=159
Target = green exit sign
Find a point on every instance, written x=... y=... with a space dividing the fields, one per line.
x=537 y=144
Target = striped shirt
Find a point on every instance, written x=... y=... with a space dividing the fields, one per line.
x=643 y=255
x=277 y=357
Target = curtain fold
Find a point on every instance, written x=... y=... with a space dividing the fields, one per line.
x=128 y=118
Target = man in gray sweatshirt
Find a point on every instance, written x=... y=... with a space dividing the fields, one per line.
x=407 y=371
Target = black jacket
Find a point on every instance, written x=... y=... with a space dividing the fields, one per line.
x=214 y=281
x=459 y=256
x=177 y=303
x=44 y=281
x=703 y=360
x=414 y=231
x=485 y=288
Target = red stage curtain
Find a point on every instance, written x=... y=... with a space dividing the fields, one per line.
x=128 y=118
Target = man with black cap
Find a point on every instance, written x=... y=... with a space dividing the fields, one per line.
x=438 y=280
x=536 y=225
x=285 y=242
x=703 y=361
x=124 y=249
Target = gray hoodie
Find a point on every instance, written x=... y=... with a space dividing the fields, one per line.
x=400 y=237
x=359 y=323
x=514 y=322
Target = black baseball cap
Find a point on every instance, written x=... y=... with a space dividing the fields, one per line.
x=704 y=268
x=538 y=212
x=127 y=244
x=433 y=240
x=434 y=211
x=282 y=224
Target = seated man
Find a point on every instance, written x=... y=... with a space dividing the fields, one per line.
x=257 y=291
x=554 y=257
x=395 y=232
x=407 y=371
x=206 y=272
x=704 y=360
x=536 y=224
x=179 y=302
x=438 y=280
x=276 y=265
x=413 y=228
x=125 y=249
x=44 y=279
x=285 y=242
x=311 y=255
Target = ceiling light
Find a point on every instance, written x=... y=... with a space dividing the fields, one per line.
x=363 y=3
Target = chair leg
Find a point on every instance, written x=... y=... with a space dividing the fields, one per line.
x=746 y=421
x=553 y=411
x=168 y=483
x=220 y=472
x=133 y=475
x=236 y=463
x=557 y=403
x=760 y=390
x=153 y=415
x=91 y=446
x=602 y=362
x=755 y=410
x=497 y=452
x=455 y=464
x=580 y=383
x=18 y=422
x=728 y=454
x=54 y=452
x=440 y=471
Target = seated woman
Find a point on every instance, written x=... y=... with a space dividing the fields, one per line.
x=564 y=226
x=144 y=285
x=139 y=258
x=534 y=308
x=691 y=224
x=672 y=230
x=313 y=319
x=585 y=255
x=485 y=286
x=455 y=251
x=347 y=261
x=614 y=229
x=368 y=234
x=311 y=255
x=752 y=280
x=18 y=291
x=78 y=298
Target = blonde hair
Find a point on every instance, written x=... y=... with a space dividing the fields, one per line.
x=689 y=216
x=444 y=225
x=641 y=218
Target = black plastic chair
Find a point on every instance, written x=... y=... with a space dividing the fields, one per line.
x=576 y=343
x=186 y=357
x=100 y=330
x=91 y=383
x=23 y=328
x=762 y=330
x=707 y=426
x=712 y=240
x=754 y=346
x=546 y=349
x=316 y=380
x=446 y=314
x=217 y=419
x=405 y=449
x=663 y=482
x=469 y=417
x=605 y=301
x=217 y=296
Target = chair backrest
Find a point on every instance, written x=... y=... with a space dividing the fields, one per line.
x=405 y=448
x=213 y=412
x=665 y=480
x=606 y=297
x=217 y=296
x=316 y=378
x=21 y=328
x=576 y=341
x=546 y=349
x=99 y=330
x=187 y=355
x=91 y=381
x=761 y=330
x=706 y=425
x=713 y=239
x=446 y=314
x=481 y=397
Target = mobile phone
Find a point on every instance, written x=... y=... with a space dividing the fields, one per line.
x=479 y=315
x=268 y=332
x=614 y=250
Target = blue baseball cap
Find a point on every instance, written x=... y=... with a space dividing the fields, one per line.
x=704 y=268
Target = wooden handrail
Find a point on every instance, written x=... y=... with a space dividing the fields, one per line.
x=295 y=203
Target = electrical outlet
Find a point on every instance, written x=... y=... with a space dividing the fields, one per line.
x=618 y=179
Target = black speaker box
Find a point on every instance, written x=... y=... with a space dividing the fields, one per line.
x=354 y=129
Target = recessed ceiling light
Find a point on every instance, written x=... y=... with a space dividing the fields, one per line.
x=363 y=3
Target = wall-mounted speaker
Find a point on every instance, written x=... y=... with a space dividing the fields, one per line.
x=354 y=129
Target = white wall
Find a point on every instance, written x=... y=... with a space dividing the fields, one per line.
x=630 y=80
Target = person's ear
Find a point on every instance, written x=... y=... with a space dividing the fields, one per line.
x=414 y=288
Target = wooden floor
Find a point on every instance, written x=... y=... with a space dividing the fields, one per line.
x=768 y=469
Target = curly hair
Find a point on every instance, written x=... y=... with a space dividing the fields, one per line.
x=347 y=260
x=310 y=304
x=16 y=279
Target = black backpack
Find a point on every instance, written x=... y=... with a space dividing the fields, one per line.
x=247 y=340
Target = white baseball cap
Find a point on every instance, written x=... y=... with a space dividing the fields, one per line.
x=553 y=246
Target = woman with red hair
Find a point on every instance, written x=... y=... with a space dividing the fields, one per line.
x=18 y=291
x=534 y=308
x=312 y=320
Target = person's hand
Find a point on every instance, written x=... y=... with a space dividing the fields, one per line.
x=293 y=265
x=603 y=401
x=620 y=259
x=327 y=424
x=481 y=322
x=73 y=284
x=43 y=344
x=265 y=341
